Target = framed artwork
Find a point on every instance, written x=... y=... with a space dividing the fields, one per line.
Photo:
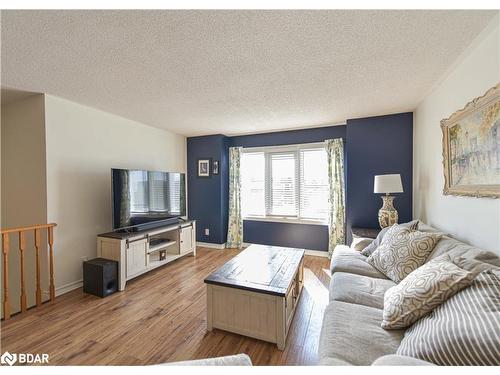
x=471 y=148
x=203 y=167
x=215 y=168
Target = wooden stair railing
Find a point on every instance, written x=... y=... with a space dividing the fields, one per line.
x=22 y=247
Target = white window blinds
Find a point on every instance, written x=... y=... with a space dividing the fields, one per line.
x=252 y=171
x=287 y=182
x=313 y=183
x=282 y=184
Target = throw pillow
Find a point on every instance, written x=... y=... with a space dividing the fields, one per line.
x=367 y=251
x=421 y=291
x=463 y=331
x=402 y=251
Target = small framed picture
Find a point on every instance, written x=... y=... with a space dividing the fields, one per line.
x=203 y=167
x=215 y=168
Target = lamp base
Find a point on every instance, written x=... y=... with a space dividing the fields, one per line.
x=387 y=215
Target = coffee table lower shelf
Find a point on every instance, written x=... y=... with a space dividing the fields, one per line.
x=255 y=314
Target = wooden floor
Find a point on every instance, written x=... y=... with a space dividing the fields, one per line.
x=161 y=317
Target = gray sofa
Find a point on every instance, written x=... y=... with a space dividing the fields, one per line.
x=230 y=360
x=351 y=332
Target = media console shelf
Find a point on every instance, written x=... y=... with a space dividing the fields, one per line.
x=140 y=252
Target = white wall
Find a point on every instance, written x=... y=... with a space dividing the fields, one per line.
x=24 y=188
x=474 y=220
x=83 y=144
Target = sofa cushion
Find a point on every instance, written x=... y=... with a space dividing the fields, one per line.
x=421 y=291
x=345 y=259
x=351 y=334
x=422 y=227
x=400 y=360
x=454 y=249
x=361 y=290
x=463 y=331
x=402 y=251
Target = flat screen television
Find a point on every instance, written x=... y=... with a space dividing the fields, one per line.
x=145 y=198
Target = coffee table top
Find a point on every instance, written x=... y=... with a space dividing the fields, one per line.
x=260 y=268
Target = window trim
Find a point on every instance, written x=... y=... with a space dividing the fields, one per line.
x=292 y=219
x=283 y=219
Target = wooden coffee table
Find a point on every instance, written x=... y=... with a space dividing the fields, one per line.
x=255 y=294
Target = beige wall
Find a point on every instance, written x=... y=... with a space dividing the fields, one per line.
x=23 y=185
x=83 y=144
x=475 y=220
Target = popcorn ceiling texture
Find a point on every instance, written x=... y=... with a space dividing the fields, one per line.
x=235 y=72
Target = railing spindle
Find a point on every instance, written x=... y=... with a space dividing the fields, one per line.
x=51 y=255
x=5 y=249
x=22 y=247
x=37 y=253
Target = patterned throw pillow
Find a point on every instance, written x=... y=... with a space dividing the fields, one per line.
x=421 y=291
x=463 y=331
x=402 y=251
x=368 y=250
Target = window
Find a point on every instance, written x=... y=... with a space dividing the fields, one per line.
x=289 y=182
x=253 y=197
x=282 y=184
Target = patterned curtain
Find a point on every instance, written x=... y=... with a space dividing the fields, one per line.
x=335 y=154
x=235 y=224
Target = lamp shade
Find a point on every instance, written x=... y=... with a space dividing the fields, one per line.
x=388 y=183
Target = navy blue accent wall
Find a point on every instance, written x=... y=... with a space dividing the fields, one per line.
x=313 y=237
x=207 y=197
x=289 y=137
x=224 y=174
x=377 y=145
x=303 y=236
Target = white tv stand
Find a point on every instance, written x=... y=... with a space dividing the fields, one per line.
x=139 y=252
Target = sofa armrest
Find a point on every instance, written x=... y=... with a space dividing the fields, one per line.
x=359 y=243
x=230 y=360
x=400 y=360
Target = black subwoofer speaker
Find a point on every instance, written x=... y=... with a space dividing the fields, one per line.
x=100 y=277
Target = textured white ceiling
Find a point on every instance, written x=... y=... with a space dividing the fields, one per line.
x=235 y=72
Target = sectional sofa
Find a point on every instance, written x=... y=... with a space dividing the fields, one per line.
x=351 y=332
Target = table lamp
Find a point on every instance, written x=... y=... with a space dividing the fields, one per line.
x=386 y=184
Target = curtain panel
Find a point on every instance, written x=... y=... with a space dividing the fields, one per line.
x=235 y=222
x=336 y=201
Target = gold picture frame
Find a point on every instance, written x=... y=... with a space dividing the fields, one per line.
x=471 y=148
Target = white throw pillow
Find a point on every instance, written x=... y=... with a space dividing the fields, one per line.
x=421 y=291
x=402 y=251
x=368 y=250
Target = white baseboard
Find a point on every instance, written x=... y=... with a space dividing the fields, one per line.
x=62 y=289
x=68 y=287
x=218 y=246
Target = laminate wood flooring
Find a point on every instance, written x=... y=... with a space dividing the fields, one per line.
x=161 y=317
